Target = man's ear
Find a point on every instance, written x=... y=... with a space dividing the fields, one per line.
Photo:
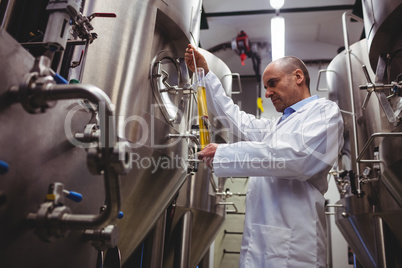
x=299 y=76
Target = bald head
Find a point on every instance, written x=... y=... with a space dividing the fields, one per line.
x=289 y=64
x=286 y=81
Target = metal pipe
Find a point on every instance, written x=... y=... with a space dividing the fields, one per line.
x=182 y=259
x=350 y=81
x=380 y=242
x=192 y=137
x=154 y=244
x=329 y=236
x=368 y=143
x=8 y=7
x=112 y=190
x=95 y=95
x=108 y=139
x=212 y=181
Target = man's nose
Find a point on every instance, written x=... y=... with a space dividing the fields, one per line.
x=268 y=93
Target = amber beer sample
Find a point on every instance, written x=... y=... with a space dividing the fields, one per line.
x=203 y=119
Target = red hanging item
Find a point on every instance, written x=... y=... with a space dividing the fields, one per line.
x=243 y=45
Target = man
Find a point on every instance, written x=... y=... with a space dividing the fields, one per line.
x=288 y=160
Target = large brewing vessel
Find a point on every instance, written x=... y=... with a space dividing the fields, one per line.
x=107 y=137
x=364 y=81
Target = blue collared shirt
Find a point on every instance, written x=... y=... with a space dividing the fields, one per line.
x=291 y=109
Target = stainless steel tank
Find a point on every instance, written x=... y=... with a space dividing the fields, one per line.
x=369 y=213
x=381 y=23
x=123 y=62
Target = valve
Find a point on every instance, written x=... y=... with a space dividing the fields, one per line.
x=57 y=29
x=50 y=211
x=31 y=93
x=379 y=89
x=74 y=196
x=82 y=25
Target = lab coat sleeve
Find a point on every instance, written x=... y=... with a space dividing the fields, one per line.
x=243 y=125
x=306 y=148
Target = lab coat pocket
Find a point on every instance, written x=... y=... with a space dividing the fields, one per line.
x=268 y=247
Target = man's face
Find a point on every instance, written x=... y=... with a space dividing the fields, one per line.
x=280 y=86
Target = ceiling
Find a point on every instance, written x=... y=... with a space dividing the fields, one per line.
x=313 y=28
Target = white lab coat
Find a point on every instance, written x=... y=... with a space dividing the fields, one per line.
x=285 y=219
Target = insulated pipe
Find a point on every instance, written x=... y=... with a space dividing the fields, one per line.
x=111 y=179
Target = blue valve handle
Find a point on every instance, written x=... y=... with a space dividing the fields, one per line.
x=76 y=197
x=3 y=167
x=59 y=79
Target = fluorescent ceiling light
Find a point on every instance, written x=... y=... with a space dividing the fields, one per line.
x=277 y=4
x=277 y=37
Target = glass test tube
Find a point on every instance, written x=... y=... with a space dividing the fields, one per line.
x=203 y=120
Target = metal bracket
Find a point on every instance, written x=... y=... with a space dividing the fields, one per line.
x=227 y=193
x=368 y=143
x=344 y=214
x=238 y=81
x=228 y=204
x=320 y=72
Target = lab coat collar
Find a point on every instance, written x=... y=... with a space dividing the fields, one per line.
x=296 y=108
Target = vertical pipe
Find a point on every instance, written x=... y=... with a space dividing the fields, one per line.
x=157 y=243
x=329 y=240
x=182 y=252
x=6 y=9
x=350 y=82
x=379 y=242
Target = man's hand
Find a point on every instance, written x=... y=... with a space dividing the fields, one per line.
x=207 y=154
x=199 y=59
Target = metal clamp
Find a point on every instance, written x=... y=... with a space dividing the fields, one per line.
x=104 y=238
